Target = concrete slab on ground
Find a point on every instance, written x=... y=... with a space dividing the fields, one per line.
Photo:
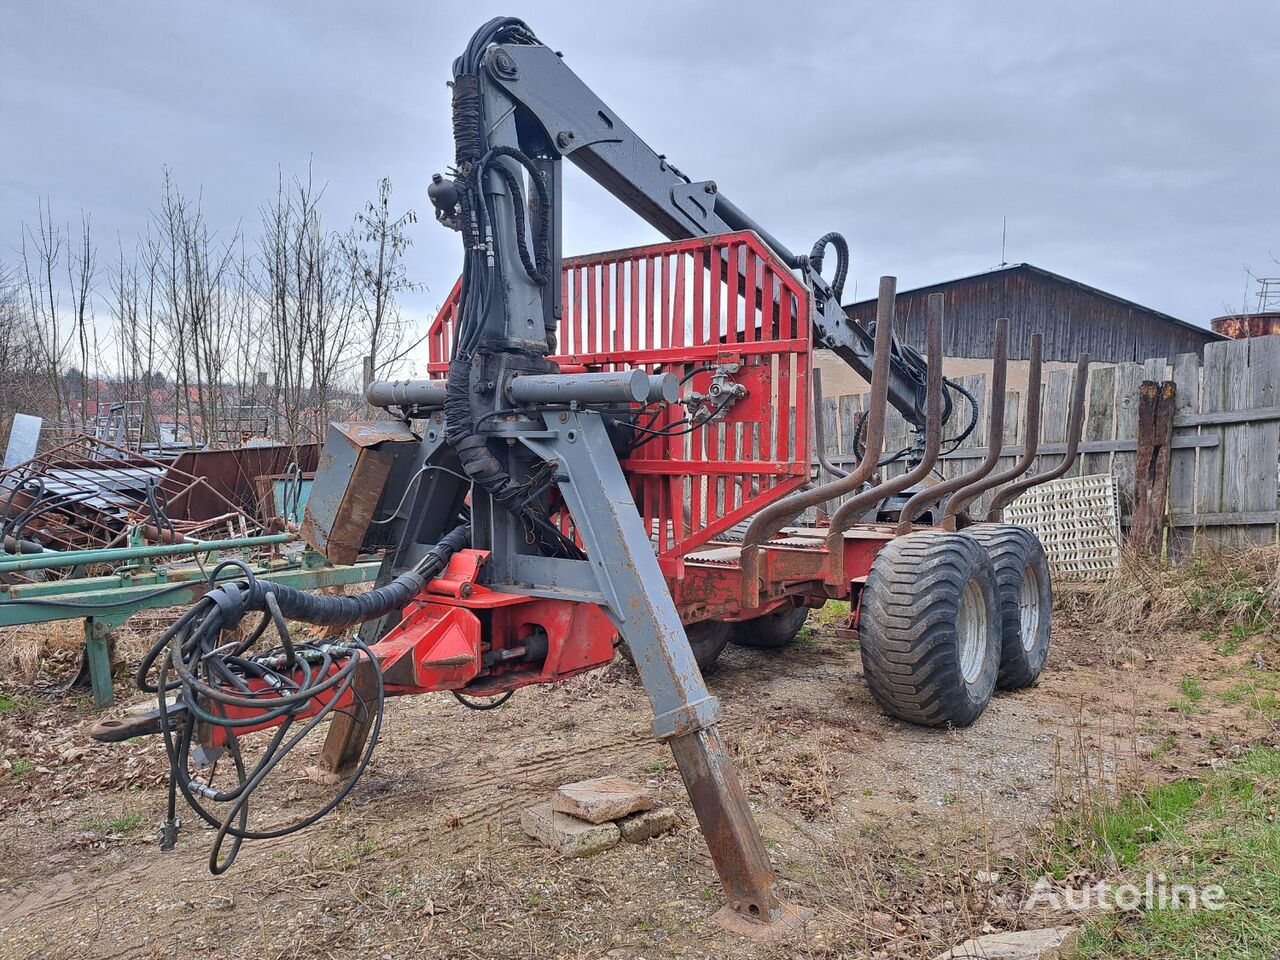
x=568 y=835
x=647 y=824
x=601 y=799
x=1051 y=943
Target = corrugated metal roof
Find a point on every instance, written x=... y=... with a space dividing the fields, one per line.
x=105 y=489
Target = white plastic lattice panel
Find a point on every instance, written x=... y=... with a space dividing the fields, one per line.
x=1078 y=521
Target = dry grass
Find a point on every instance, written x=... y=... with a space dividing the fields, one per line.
x=26 y=649
x=906 y=841
x=37 y=650
x=34 y=651
x=1233 y=589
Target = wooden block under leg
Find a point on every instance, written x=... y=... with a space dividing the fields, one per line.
x=349 y=729
x=320 y=634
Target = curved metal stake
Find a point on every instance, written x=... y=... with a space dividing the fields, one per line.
x=852 y=508
x=1031 y=434
x=1075 y=427
x=912 y=508
x=995 y=428
x=774 y=517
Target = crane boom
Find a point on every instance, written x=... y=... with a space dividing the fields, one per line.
x=556 y=115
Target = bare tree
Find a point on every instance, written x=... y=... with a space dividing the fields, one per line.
x=376 y=248
x=245 y=329
x=231 y=331
x=23 y=385
x=41 y=254
x=82 y=271
x=132 y=299
x=202 y=295
x=305 y=287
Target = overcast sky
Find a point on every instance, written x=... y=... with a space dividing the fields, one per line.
x=1132 y=146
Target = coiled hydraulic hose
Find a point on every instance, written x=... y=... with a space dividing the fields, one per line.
x=819 y=252
x=215 y=682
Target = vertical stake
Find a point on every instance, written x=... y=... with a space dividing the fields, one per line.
x=97 y=653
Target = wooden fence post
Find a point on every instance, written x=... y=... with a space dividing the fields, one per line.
x=1263 y=442
x=1151 y=468
x=1128 y=376
x=1182 y=468
x=1100 y=418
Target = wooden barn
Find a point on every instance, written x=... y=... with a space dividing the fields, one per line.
x=1074 y=318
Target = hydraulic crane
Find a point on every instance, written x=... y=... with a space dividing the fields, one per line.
x=608 y=450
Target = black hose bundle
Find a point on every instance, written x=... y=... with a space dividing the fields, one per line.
x=959 y=438
x=818 y=254
x=224 y=685
x=906 y=358
x=948 y=405
x=158 y=507
x=482 y=265
x=468 y=126
x=42 y=501
x=535 y=266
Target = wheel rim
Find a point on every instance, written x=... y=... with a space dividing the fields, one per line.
x=1029 y=607
x=971 y=629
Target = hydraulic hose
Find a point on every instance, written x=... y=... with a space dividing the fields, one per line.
x=216 y=684
x=482 y=266
x=819 y=252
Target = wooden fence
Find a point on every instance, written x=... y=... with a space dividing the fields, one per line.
x=1222 y=466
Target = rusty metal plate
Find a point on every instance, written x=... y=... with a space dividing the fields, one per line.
x=350 y=478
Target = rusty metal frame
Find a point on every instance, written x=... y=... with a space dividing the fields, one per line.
x=961 y=486
x=354 y=466
x=855 y=506
x=939 y=490
x=1075 y=427
x=1031 y=433
x=73 y=521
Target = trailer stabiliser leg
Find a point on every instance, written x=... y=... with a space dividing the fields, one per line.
x=630 y=582
x=754 y=908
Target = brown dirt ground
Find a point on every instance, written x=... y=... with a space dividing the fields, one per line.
x=904 y=840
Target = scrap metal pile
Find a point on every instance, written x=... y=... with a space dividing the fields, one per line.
x=90 y=494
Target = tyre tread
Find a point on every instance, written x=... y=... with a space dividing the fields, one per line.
x=1011 y=548
x=907 y=622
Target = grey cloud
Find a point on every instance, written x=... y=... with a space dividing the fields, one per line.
x=1131 y=145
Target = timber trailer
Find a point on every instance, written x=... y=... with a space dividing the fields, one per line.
x=612 y=450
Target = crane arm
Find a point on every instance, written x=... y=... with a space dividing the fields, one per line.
x=556 y=115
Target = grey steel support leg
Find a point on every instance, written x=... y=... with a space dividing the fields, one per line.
x=685 y=714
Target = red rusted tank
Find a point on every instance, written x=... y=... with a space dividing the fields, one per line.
x=1240 y=326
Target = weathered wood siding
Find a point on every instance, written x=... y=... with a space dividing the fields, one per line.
x=1074 y=319
x=1224 y=486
